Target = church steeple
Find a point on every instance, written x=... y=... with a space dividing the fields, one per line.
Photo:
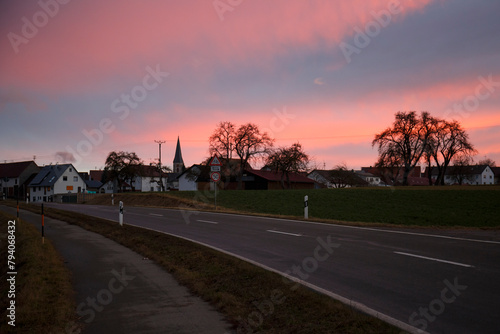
x=178 y=162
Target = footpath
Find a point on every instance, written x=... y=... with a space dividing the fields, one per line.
x=119 y=291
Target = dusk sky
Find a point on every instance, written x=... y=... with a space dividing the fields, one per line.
x=79 y=79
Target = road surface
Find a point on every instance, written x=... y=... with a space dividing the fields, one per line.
x=436 y=281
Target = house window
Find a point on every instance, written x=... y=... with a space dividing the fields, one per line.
x=65 y=178
x=75 y=178
x=16 y=181
x=71 y=169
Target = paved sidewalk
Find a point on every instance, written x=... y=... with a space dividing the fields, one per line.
x=118 y=291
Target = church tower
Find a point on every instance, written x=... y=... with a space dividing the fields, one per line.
x=178 y=162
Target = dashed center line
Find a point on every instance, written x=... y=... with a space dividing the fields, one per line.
x=437 y=260
x=207 y=221
x=155 y=214
x=286 y=233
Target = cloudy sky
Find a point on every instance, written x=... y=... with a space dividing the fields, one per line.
x=79 y=79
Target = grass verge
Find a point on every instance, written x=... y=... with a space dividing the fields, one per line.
x=44 y=296
x=475 y=207
x=251 y=298
x=443 y=207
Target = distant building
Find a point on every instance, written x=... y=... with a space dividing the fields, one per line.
x=336 y=179
x=56 y=180
x=472 y=175
x=178 y=161
x=15 y=177
x=371 y=179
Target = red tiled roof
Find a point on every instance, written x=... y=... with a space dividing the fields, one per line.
x=274 y=176
x=14 y=169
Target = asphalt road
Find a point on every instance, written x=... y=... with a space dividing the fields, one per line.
x=436 y=281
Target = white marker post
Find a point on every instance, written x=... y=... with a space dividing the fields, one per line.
x=120 y=215
x=112 y=200
x=306 y=207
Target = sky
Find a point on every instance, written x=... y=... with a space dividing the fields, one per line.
x=79 y=79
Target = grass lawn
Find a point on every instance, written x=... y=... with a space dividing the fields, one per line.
x=423 y=206
x=44 y=296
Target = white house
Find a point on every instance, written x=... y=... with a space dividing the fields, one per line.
x=473 y=175
x=371 y=179
x=188 y=180
x=56 y=180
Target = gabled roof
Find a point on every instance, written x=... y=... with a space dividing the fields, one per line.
x=274 y=176
x=14 y=169
x=49 y=175
x=93 y=184
x=469 y=170
x=496 y=170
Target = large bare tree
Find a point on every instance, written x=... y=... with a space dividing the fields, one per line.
x=286 y=160
x=222 y=140
x=246 y=142
x=406 y=139
x=448 y=141
x=250 y=142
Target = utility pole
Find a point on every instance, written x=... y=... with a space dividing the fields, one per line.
x=159 y=142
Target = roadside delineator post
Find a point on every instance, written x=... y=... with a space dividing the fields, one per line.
x=112 y=200
x=43 y=226
x=306 y=207
x=120 y=215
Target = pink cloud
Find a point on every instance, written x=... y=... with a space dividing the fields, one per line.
x=89 y=41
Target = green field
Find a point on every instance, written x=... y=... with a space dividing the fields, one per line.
x=422 y=206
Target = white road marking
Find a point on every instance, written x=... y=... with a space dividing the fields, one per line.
x=360 y=228
x=155 y=214
x=437 y=260
x=293 y=234
x=207 y=221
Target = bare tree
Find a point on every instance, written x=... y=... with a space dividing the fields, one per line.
x=447 y=141
x=487 y=161
x=341 y=177
x=222 y=140
x=407 y=139
x=122 y=167
x=250 y=143
x=286 y=160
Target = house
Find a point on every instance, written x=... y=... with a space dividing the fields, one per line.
x=196 y=177
x=472 y=175
x=496 y=171
x=271 y=180
x=149 y=179
x=55 y=180
x=14 y=178
x=336 y=178
x=371 y=179
x=394 y=175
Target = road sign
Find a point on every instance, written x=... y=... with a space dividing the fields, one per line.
x=215 y=176
x=215 y=161
x=215 y=168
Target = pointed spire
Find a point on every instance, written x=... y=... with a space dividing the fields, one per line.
x=178 y=161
